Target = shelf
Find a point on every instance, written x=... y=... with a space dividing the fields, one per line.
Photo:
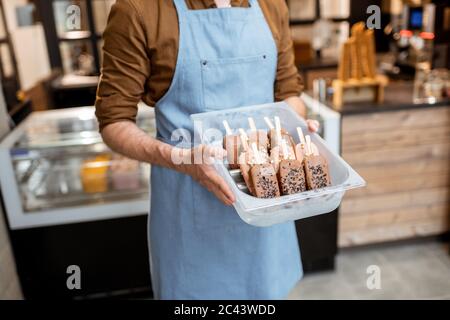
x=75 y=35
x=48 y=183
x=68 y=128
x=299 y=22
x=72 y=81
x=67 y=135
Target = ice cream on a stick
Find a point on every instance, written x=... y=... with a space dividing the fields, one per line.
x=232 y=144
x=258 y=136
x=246 y=159
x=274 y=153
x=300 y=148
x=316 y=167
x=291 y=174
x=272 y=130
x=277 y=134
x=282 y=146
x=263 y=176
x=269 y=123
x=263 y=152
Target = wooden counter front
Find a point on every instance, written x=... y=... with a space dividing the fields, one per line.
x=404 y=156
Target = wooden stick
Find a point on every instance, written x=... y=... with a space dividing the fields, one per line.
x=314 y=149
x=285 y=149
x=299 y=152
x=227 y=128
x=308 y=145
x=256 y=152
x=276 y=158
x=251 y=122
x=278 y=128
x=244 y=138
x=243 y=133
x=269 y=123
x=301 y=136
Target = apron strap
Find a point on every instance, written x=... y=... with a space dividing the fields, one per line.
x=253 y=5
x=181 y=5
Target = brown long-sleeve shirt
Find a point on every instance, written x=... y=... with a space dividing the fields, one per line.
x=141 y=47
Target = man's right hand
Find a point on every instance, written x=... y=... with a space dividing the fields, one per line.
x=200 y=169
x=126 y=138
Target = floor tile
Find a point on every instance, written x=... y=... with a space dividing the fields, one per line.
x=407 y=271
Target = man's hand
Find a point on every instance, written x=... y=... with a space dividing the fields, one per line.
x=201 y=170
x=297 y=104
x=127 y=139
x=313 y=125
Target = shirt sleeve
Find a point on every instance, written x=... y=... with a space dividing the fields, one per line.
x=126 y=66
x=288 y=81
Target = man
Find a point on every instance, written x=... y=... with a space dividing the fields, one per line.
x=185 y=57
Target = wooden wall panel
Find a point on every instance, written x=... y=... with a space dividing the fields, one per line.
x=414 y=119
x=387 y=155
x=401 y=137
x=405 y=158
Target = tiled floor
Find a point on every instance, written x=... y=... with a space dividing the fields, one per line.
x=407 y=271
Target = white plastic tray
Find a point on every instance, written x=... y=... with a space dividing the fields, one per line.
x=266 y=212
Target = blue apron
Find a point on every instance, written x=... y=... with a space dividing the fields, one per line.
x=200 y=248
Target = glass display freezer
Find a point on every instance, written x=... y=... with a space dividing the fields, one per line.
x=55 y=169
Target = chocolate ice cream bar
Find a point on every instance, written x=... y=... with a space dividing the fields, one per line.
x=300 y=148
x=316 y=168
x=265 y=181
x=263 y=177
x=262 y=148
x=278 y=154
x=246 y=161
x=292 y=177
x=275 y=158
x=282 y=145
x=232 y=144
x=260 y=138
x=284 y=136
x=257 y=136
x=278 y=134
x=245 y=167
x=273 y=139
x=291 y=174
